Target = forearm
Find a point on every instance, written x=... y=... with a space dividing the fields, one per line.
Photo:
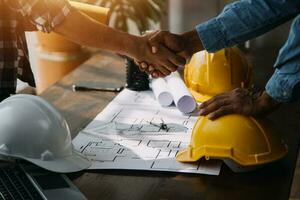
x=265 y=103
x=244 y=20
x=84 y=30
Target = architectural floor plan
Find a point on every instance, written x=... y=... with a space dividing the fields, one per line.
x=135 y=132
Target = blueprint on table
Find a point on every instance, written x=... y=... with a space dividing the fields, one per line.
x=127 y=135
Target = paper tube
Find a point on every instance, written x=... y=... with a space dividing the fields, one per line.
x=161 y=92
x=183 y=99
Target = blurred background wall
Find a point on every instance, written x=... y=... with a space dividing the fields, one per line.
x=183 y=15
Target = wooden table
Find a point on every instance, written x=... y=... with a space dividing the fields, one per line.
x=79 y=108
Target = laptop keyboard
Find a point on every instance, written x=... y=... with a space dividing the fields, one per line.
x=14 y=184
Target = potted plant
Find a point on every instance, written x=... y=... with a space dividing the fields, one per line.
x=133 y=16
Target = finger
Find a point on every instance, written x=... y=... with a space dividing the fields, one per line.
x=140 y=68
x=155 y=74
x=225 y=110
x=156 y=40
x=175 y=59
x=151 y=68
x=166 y=63
x=144 y=65
x=149 y=71
x=154 y=49
x=214 y=106
x=170 y=66
x=137 y=62
x=163 y=69
x=213 y=99
x=161 y=75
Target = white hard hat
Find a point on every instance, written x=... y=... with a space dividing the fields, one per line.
x=33 y=130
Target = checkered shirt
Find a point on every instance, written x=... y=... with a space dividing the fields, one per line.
x=44 y=15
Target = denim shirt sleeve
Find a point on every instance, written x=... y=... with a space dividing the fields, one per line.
x=244 y=20
x=282 y=85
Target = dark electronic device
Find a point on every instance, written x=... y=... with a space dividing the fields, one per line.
x=29 y=182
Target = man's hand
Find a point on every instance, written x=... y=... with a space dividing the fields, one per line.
x=165 y=62
x=184 y=45
x=238 y=101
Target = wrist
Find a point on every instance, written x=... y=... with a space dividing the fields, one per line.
x=266 y=102
x=129 y=45
x=192 y=42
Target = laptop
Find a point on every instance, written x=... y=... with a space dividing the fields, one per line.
x=24 y=181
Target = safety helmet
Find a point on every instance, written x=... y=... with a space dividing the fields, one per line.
x=33 y=130
x=209 y=74
x=241 y=142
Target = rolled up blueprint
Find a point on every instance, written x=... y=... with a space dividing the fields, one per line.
x=161 y=91
x=183 y=99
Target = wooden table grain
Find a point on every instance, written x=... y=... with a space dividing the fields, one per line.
x=271 y=182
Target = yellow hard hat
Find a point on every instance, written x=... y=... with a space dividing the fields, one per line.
x=240 y=141
x=209 y=74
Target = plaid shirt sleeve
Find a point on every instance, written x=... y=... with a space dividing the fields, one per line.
x=44 y=14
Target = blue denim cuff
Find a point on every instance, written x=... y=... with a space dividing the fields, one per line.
x=211 y=35
x=281 y=86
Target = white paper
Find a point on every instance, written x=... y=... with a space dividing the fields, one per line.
x=122 y=137
x=183 y=99
x=161 y=92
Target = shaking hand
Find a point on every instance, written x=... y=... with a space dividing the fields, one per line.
x=165 y=61
x=184 y=45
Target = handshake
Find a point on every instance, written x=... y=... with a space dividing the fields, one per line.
x=164 y=52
